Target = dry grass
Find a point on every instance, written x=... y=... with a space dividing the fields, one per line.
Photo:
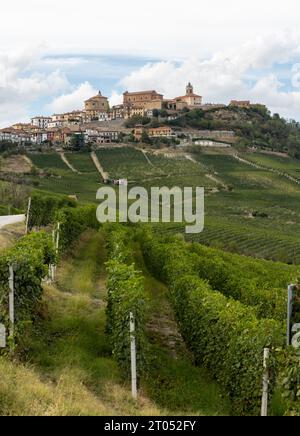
x=15 y=164
x=9 y=234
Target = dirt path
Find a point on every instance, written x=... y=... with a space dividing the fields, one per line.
x=209 y=176
x=69 y=165
x=264 y=168
x=147 y=158
x=70 y=348
x=104 y=174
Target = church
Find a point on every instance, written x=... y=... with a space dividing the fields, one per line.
x=190 y=100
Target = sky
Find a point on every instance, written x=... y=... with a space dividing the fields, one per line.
x=54 y=55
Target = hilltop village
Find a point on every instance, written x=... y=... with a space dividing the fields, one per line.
x=98 y=123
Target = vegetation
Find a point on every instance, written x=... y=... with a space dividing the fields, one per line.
x=73 y=222
x=255 y=126
x=44 y=207
x=225 y=335
x=30 y=259
x=77 y=143
x=136 y=120
x=126 y=296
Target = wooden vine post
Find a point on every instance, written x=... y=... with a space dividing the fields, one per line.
x=265 y=394
x=11 y=306
x=133 y=357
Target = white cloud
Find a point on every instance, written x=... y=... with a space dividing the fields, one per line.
x=115 y=98
x=20 y=87
x=224 y=75
x=168 y=29
x=73 y=100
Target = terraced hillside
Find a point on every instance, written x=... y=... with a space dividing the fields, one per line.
x=153 y=169
x=60 y=179
x=259 y=215
x=251 y=210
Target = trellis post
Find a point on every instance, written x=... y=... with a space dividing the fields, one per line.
x=11 y=304
x=133 y=357
x=28 y=213
x=265 y=394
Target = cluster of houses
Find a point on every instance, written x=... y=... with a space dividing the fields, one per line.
x=89 y=122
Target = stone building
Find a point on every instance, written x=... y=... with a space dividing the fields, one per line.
x=153 y=132
x=190 y=99
x=96 y=108
x=240 y=103
x=147 y=100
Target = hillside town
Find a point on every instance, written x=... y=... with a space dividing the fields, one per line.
x=98 y=123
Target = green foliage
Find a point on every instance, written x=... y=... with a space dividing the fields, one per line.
x=145 y=138
x=225 y=335
x=255 y=283
x=30 y=259
x=73 y=222
x=135 y=120
x=76 y=143
x=44 y=208
x=255 y=126
x=126 y=294
x=289 y=381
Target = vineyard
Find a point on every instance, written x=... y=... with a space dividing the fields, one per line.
x=282 y=163
x=62 y=180
x=131 y=164
x=229 y=308
x=197 y=309
x=249 y=210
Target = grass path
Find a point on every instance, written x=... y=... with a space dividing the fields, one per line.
x=69 y=369
x=266 y=168
x=104 y=174
x=66 y=161
x=68 y=356
x=173 y=380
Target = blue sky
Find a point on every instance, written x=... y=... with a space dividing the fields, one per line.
x=58 y=56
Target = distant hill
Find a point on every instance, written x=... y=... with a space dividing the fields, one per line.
x=254 y=126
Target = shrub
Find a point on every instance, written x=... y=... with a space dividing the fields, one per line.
x=225 y=335
x=44 y=208
x=30 y=259
x=73 y=222
x=126 y=294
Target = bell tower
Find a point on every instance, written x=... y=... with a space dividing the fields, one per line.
x=189 y=89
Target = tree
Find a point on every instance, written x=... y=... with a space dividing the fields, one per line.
x=77 y=142
x=145 y=138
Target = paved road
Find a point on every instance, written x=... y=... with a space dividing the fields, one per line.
x=11 y=219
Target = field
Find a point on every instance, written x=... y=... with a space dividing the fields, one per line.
x=82 y=162
x=68 y=368
x=257 y=215
x=282 y=163
x=248 y=210
x=64 y=181
x=157 y=170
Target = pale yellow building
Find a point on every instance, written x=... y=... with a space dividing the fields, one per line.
x=190 y=99
x=147 y=100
